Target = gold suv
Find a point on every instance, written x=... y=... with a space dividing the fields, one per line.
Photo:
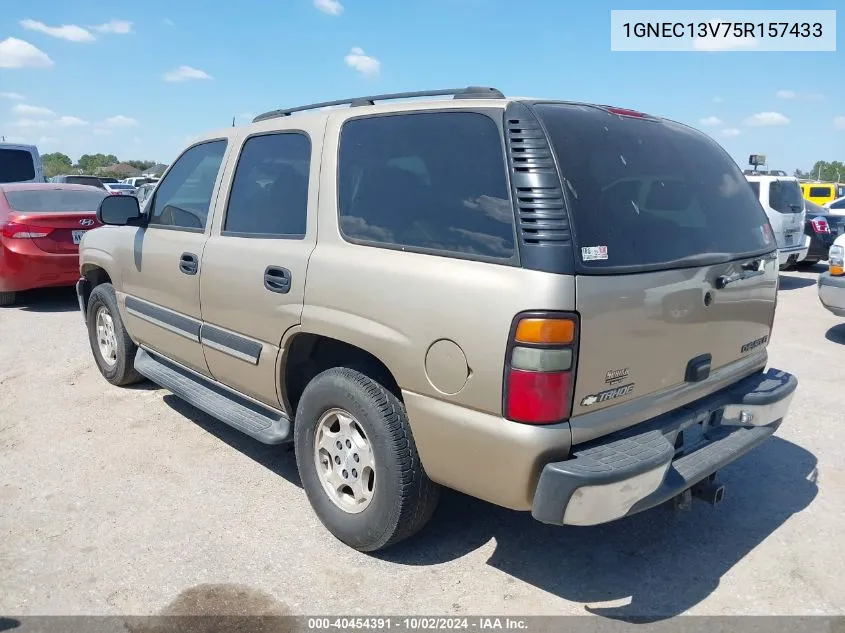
x=557 y=307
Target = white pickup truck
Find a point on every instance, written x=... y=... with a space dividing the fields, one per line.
x=832 y=283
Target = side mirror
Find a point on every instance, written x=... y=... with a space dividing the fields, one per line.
x=119 y=211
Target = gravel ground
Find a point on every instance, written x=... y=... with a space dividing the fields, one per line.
x=128 y=501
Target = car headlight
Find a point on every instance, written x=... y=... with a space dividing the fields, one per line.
x=836 y=256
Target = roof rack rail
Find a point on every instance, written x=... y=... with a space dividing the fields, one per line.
x=471 y=92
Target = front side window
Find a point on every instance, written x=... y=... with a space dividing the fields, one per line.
x=183 y=198
x=270 y=189
x=433 y=181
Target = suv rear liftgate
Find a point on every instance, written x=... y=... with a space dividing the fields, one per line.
x=676 y=285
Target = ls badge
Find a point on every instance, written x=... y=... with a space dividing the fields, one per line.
x=607 y=394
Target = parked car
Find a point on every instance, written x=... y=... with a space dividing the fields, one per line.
x=137 y=181
x=821 y=229
x=836 y=207
x=144 y=191
x=821 y=192
x=41 y=225
x=80 y=179
x=119 y=189
x=20 y=163
x=454 y=292
x=831 y=284
x=781 y=199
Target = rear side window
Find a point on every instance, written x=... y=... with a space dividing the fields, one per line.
x=270 y=189
x=785 y=196
x=55 y=200
x=820 y=192
x=16 y=165
x=647 y=194
x=183 y=198
x=433 y=181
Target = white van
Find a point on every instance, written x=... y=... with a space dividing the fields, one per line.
x=20 y=163
x=783 y=202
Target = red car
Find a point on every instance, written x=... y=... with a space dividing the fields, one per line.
x=41 y=225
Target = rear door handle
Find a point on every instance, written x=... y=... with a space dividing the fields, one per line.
x=189 y=263
x=277 y=279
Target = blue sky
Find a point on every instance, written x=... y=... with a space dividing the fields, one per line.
x=109 y=79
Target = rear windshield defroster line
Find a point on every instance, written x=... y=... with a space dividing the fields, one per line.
x=646 y=194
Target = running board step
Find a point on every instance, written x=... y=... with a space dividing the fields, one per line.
x=262 y=423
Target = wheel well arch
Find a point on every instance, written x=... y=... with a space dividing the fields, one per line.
x=309 y=354
x=95 y=276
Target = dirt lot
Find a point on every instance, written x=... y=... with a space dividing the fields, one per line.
x=125 y=501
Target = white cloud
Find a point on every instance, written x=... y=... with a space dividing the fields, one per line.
x=15 y=53
x=47 y=140
x=804 y=96
x=31 y=123
x=118 y=27
x=11 y=96
x=711 y=121
x=362 y=62
x=722 y=41
x=69 y=32
x=28 y=110
x=731 y=132
x=101 y=132
x=185 y=73
x=120 y=121
x=168 y=21
x=766 y=118
x=70 y=121
x=332 y=7
x=839 y=123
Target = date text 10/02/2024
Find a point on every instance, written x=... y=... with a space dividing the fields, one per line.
x=417 y=624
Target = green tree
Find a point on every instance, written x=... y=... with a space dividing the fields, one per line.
x=801 y=174
x=90 y=163
x=828 y=172
x=56 y=163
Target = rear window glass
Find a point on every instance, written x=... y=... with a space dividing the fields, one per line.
x=83 y=180
x=820 y=192
x=646 y=194
x=16 y=165
x=785 y=196
x=54 y=200
x=120 y=185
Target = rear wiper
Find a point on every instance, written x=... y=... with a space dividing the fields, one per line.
x=750 y=269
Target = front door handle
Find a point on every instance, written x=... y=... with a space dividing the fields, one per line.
x=189 y=263
x=277 y=279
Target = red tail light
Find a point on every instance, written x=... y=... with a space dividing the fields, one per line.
x=14 y=230
x=820 y=225
x=540 y=367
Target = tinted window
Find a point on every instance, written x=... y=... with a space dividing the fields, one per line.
x=755 y=187
x=46 y=200
x=651 y=192
x=82 y=180
x=839 y=204
x=785 y=196
x=184 y=197
x=16 y=165
x=820 y=192
x=270 y=189
x=433 y=180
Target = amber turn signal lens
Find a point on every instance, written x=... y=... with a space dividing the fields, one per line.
x=546 y=331
x=836 y=270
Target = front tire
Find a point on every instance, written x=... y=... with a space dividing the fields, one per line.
x=114 y=352
x=358 y=461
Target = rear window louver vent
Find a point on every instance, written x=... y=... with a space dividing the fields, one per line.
x=540 y=207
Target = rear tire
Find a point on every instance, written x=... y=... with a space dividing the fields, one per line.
x=399 y=499
x=7 y=298
x=114 y=352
